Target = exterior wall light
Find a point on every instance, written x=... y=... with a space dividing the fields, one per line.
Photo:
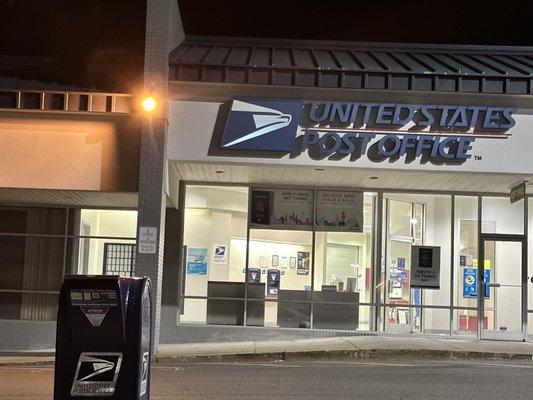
x=149 y=104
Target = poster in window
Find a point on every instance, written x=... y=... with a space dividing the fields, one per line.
x=196 y=261
x=282 y=208
x=401 y=263
x=220 y=254
x=425 y=267
x=339 y=211
x=303 y=263
x=261 y=204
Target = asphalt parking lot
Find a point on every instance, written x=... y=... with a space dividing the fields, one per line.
x=395 y=380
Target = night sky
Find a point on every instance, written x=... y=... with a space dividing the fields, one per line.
x=99 y=43
x=486 y=22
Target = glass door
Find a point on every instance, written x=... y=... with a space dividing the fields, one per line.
x=399 y=319
x=404 y=227
x=503 y=279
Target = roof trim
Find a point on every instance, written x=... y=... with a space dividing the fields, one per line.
x=348 y=65
x=235 y=41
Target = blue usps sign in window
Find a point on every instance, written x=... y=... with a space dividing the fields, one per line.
x=261 y=125
x=470 y=283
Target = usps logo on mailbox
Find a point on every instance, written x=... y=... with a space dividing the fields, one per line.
x=144 y=376
x=96 y=374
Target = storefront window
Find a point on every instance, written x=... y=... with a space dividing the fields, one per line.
x=465 y=265
x=282 y=260
x=105 y=242
x=33 y=258
x=339 y=278
x=279 y=290
x=343 y=276
x=214 y=242
x=500 y=216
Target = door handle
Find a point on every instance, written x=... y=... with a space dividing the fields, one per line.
x=494 y=285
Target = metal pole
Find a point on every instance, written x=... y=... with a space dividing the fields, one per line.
x=480 y=270
x=525 y=269
x=247 y=261
x=452 y=260
x=377 y=230
x=313 y=249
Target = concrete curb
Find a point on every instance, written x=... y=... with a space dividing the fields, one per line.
x=320 y=355
x=25 y=360
x=346 y=355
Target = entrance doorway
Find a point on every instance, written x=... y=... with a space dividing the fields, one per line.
x=404 y=227
x=502 y=287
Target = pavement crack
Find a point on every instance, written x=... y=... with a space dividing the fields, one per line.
x=350 y=343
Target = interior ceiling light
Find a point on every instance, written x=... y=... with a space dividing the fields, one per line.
x=413 y=221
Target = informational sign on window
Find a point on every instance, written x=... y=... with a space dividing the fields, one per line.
x=339 y=211
x=148 y=240
x=282 y=208
x=196 y=261
x=261 y=207
x=425 y=267
x=470 y=283
x=303 y=263
x=220 y=254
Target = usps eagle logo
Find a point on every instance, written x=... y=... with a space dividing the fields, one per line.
x=96 y=374
x=261 y=125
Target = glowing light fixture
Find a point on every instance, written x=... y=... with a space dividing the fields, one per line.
x=149 y=104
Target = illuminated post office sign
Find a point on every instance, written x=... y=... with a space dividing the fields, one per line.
x=430 y=133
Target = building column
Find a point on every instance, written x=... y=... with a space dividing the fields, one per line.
x=164 y=32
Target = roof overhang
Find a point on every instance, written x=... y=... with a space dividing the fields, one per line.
x=441 y=69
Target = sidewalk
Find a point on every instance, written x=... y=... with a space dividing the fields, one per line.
x=354 y=347
x=348 y=347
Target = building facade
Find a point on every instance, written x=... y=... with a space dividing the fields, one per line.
x=291 y=188
x=319 y=169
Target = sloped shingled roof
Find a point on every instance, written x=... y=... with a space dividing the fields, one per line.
x=469 y=69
